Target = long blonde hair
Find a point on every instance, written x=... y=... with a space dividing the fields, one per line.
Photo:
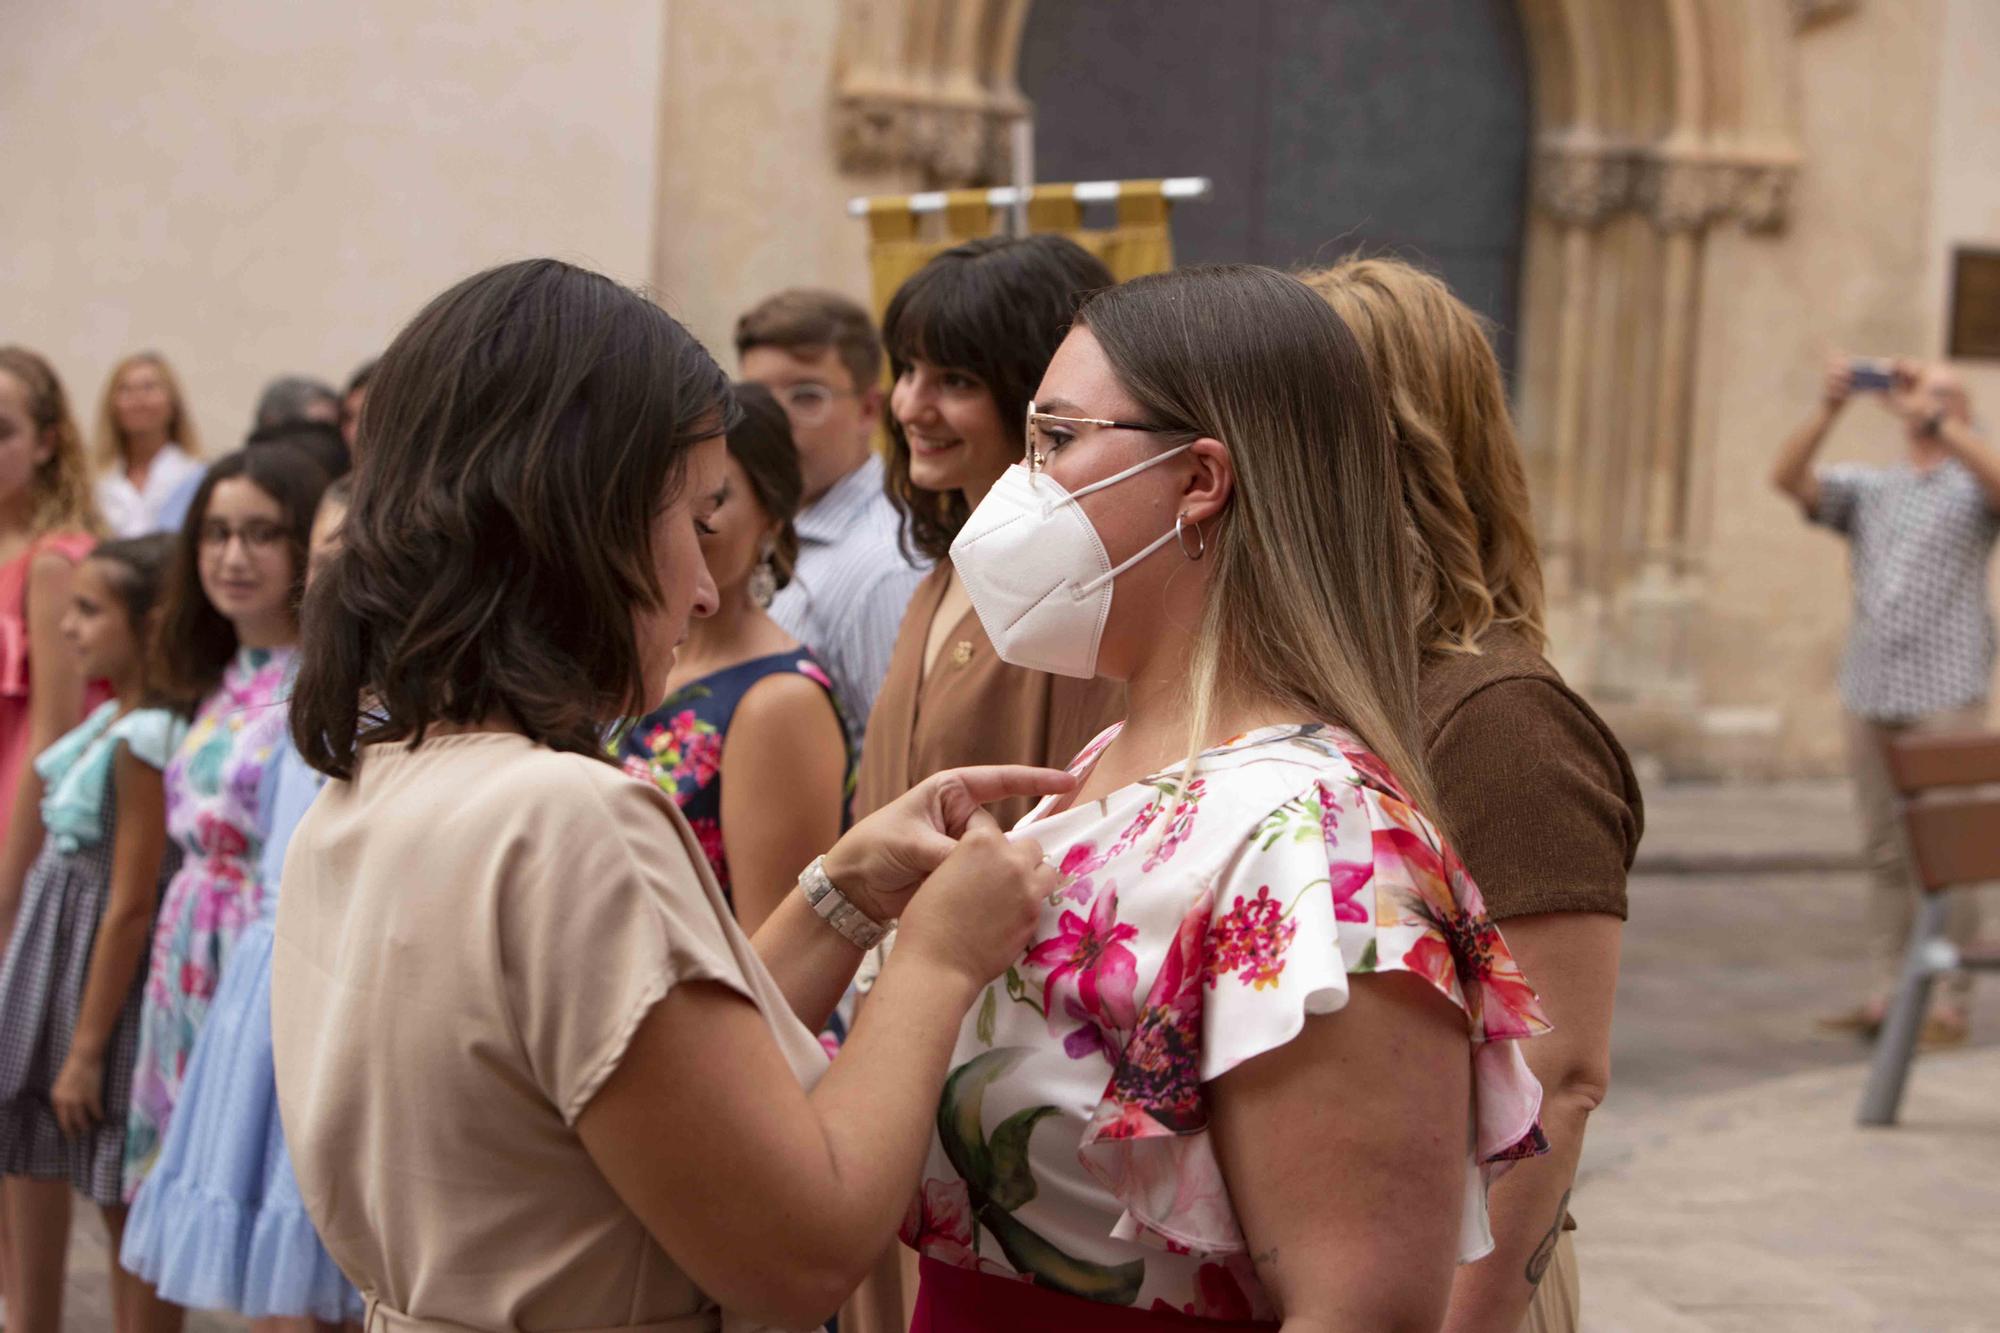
x=1308 y=603
x=110 y=440
x=1463 y=479
x=63 y=500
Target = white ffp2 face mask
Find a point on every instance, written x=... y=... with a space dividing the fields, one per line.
x=1037 y=572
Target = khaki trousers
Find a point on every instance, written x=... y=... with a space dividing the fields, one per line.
x=1892 y=893
x=1558 y=1302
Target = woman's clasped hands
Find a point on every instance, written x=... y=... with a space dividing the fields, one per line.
x=966 y=894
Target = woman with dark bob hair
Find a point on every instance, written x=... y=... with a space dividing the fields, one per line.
x=532 y=1073
x=968 y=337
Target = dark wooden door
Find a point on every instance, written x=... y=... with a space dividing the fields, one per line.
x=1397 y=126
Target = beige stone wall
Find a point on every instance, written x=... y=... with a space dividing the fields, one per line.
x=1966 y=205
x=1900 y=123
x=751 y=198
x=256 y=188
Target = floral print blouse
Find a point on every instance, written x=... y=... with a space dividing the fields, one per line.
x=1191 y=932
x=678 y=746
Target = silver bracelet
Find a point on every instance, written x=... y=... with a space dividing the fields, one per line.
x=833 y=907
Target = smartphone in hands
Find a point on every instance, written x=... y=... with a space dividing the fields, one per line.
x=1871 y=374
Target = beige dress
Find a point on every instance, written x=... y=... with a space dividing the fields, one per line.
x=467 y=938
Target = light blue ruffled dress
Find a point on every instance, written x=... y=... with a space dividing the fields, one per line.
x=219 y=1224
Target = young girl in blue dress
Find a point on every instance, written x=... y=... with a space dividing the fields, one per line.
x=219 y=1224
x=75 y=963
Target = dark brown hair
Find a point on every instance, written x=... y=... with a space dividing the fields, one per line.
x=761 y=443
x=805 y=322
x=995 y=309
x=195 y=640
x=524 y=431
x=138 y=573
x=136 y=569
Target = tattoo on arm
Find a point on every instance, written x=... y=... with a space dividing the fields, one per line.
x=1266 y=1259
x=1545 y=1253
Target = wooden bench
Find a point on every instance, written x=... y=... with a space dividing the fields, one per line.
x=1950 y=786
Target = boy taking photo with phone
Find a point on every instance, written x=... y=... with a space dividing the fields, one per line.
x=1920 y=647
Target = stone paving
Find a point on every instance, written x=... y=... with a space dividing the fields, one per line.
x=1725 y=1187
x=1725 y=1184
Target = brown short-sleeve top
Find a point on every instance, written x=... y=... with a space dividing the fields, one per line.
x=468 y=936
x=1538 y=794
x=972 y=709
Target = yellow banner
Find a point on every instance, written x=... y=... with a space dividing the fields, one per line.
x=1139 y=242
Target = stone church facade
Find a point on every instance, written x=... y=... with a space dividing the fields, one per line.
x=1697 y=202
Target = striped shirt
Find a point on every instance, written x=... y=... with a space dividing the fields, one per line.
x=847 y=597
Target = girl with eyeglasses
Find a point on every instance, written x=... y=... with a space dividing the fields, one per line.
x=228 y=632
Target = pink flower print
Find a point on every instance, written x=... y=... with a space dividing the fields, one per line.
x=219 y=839
x=1251 y=941
x=1329 y=815
x=1348 y=879
x=635 y=767
x=1157 y=1084
x=1080 y=859
x=708 y=833
x=939 y=1226
x=1179 y=825
x=1136 y=829
x=1079 y=863
x=1088 y=1038
x=1091 y=957
x=1369 y=767
x=810 y=670
x=196 y=980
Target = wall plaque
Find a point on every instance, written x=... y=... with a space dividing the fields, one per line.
x=1975 y=304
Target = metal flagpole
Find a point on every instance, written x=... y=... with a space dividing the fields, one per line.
x=1022 y=136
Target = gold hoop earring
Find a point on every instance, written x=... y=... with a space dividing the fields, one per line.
x=1180 y=534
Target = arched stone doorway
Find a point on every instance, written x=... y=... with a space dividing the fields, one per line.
x=1654 y=123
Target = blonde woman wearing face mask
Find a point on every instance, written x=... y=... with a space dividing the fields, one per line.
x=1259 y=1059
x=1538 y=792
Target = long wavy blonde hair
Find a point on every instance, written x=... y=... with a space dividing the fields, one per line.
x=109 y=442
x=1308 y=604
x=63 y=500
x=1463 y=481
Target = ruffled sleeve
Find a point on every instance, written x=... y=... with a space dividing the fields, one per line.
x=1342 y=879
x=151 y=734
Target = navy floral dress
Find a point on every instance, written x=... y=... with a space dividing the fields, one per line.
x=679 y=744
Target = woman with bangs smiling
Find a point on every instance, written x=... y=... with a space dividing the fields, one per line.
x=968 y=337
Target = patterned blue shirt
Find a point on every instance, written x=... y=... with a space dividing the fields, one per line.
x=846 y=599
x=1922 y=639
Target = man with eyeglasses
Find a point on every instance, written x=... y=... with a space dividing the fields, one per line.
x=818 y=352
